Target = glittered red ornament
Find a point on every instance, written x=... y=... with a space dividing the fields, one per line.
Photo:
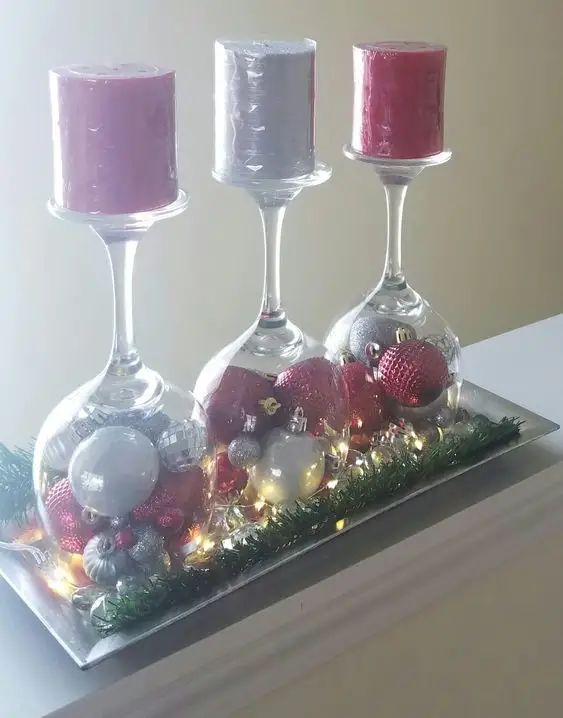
x=124 y=538
x=169 y=522
x=242 y=399
x=317 y=386
x=64 y=513
x=74 y=543
x=228 y=478
x=413 y=373
x=162 y=497
x=368 y=403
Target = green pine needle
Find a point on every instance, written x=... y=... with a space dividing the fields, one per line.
x=16 y=484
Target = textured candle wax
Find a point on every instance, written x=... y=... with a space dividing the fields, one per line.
x=264 y=109
x=114 y=138
x=399 y=99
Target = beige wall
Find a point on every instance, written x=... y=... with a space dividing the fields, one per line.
x=483 y=233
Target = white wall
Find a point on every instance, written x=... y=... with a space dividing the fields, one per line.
x=484 y=233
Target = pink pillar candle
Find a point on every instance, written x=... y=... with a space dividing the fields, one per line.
x=399 y=99
x=114 y=138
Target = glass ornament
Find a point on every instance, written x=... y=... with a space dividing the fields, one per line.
x=410 y=353
x=123 y=462
x=276 y=398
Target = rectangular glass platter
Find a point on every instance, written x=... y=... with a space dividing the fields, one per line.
x=73 y=631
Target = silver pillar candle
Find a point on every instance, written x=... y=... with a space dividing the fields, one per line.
x=264 y=109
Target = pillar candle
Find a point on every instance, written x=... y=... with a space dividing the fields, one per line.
x=264 y=109
x=114 y=138
x=399 y=99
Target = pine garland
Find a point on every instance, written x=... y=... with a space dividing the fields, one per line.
x=288 y=529
x=16 y=484
x=307 y=520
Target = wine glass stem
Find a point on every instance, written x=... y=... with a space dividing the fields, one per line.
x=395 y=192
x=125 y=358
x=272 y=214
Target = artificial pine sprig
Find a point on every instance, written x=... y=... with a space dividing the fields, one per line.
x=16 y=484
x=306 y=520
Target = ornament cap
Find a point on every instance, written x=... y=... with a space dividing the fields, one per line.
x=298 y=422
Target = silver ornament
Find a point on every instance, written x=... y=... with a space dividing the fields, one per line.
x=444 y=417
x=426 y=433
x=462 y=415
x=182 y=445
x=460 y=428
x=446 y=343
x=119 y=522
x=291 y=467
x=84 y=597
x=59 y=449
x=148 y=546
x=89 y=419
x=380 y=455
x=241 y=535
x=102 y=610
x=90 y=517
x=102 y=561
x=369 y=336
x=129 y=584
x=150 y=423
x=162 y=564
x=478 y=422
x=113 y=470
x=244 y=451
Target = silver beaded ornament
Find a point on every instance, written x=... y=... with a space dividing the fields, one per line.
x=182 y=445
x=147 y=548
x=244 y=451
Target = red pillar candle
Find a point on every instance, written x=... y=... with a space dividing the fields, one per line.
x=399 y=99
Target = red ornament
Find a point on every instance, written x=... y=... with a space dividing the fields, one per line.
x=242 y=399
x=73 y=543
x=228 y=478
x=169 y=522
x=317 y=386
x=124 y=538
x=360 y=442
x=162 y=497
x=368 y=404
x=414 y=373
x=64 y=514
x=187 y=488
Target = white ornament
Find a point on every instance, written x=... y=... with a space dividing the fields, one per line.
x=113 y=470
x=291 y=467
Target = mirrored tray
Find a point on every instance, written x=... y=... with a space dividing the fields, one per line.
x=79 y=639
